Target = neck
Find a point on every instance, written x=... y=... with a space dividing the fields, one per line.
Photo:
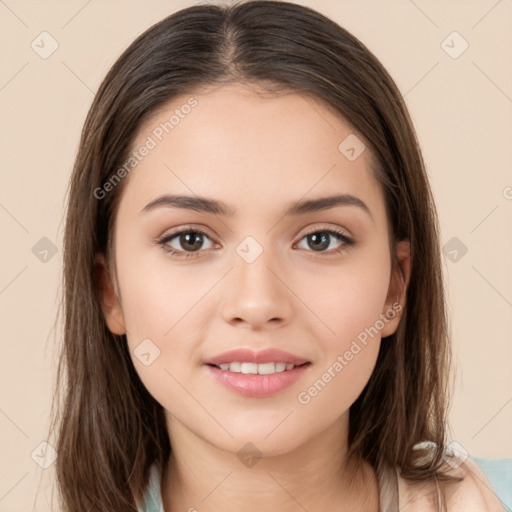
x=313 y=476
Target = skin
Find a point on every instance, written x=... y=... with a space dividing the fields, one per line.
x=257 y=153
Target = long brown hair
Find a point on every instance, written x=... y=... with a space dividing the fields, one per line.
x=110 y=429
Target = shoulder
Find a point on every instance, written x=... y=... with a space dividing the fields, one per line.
x=473 y=494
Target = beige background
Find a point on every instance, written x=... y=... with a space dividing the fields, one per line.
x=462 y=110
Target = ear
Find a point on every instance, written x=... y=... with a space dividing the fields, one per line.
x=397 y=291
x=108 y=297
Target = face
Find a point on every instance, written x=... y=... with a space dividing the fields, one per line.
x=195 y=281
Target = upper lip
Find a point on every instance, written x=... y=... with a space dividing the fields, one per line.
x=245 y=355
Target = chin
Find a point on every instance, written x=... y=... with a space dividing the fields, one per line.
x=258 y=442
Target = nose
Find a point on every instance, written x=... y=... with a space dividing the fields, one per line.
x=256 y=295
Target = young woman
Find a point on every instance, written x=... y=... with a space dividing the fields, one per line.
x=254 y=311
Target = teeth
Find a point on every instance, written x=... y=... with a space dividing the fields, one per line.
x=254 y=369
x=247 y=368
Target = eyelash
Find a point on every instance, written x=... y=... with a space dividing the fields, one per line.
x=347 y=242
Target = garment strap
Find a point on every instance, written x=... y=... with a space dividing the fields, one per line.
x=388 y=490
x=387 y=479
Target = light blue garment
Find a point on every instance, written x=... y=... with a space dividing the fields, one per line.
x=499 y=474
x=497 y=471
x=153 y=498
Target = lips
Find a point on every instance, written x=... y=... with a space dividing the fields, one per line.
x=257 y=384
x=268 y=355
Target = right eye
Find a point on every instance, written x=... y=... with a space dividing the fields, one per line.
x=190 y=240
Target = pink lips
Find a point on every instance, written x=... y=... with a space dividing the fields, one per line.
x=257 y=386
x=268 y=355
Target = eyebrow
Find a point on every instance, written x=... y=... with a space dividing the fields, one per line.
x=213 y=206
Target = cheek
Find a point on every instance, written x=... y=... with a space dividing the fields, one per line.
x=166 y=310
x=348 y=341
x=348 y=303
x=333 y=389
x=160 y=297
x=348 y=299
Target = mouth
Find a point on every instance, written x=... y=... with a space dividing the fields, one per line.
x=248 y=368
x=245 y=356
x=257 y=374
x=257 y=380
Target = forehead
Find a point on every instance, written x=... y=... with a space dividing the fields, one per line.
x=238 y=143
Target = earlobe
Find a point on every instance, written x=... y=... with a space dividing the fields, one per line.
x=109 y=301
x=397 y=292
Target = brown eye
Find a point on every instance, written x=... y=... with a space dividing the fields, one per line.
x=321 y=240
x=191 y=240
x=185 y=242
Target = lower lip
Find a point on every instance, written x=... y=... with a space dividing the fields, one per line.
x=258 y=386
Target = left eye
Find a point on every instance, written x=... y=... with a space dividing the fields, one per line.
x=319 y=240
